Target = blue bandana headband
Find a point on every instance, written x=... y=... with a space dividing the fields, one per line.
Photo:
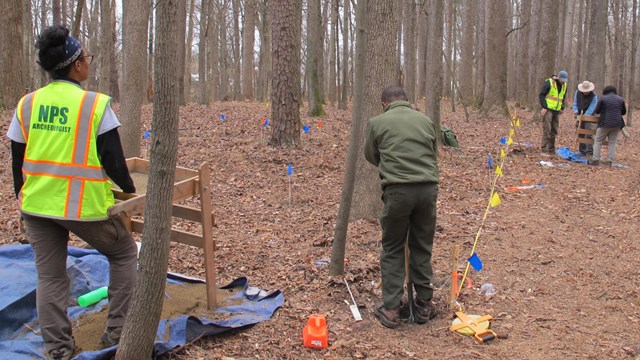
x=72 y=49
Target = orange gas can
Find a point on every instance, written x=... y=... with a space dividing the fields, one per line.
x=314 y=334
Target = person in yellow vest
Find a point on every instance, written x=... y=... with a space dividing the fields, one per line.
x=552 y=99
x=65 y=148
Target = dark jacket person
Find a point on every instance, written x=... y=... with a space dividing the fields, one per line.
x=401 y=142
x=611 y=108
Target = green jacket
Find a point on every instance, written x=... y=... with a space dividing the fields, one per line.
x=401 y=142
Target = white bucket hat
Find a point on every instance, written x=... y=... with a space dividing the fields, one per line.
x=586 y=86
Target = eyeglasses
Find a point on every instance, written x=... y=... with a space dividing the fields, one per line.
x=88 y=57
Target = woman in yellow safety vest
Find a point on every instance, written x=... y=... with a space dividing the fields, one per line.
x=65 y=151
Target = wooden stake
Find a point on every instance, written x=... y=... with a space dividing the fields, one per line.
x=207 y=235
x=454 y=272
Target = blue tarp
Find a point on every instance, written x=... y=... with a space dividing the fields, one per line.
x=566 y=154
x=89 y=270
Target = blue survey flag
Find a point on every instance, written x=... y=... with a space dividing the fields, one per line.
x=490 y=162
x=146 y=134
x=306 y=129
x=503 y=141
x=289 y=170
x=266 y=122
x=222 y=117
x=475 y=262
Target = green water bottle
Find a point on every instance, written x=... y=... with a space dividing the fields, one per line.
x=93 y=297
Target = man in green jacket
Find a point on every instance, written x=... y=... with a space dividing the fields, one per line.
x=401 y=142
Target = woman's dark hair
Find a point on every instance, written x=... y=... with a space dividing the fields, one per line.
x=609 y=89
x=51 y=50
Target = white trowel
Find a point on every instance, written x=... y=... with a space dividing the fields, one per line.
x=354 y=307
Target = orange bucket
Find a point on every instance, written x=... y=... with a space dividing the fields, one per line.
x=314 y=334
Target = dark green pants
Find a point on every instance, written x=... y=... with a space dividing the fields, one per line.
x=407 y=208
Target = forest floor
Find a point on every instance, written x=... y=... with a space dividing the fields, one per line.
x=563 y=258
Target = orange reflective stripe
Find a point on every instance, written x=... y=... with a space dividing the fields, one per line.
x=552 y=98
x=78 y=126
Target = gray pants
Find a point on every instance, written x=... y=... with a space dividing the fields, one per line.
x=611 y=134
x=48 y=238
x=407 y=208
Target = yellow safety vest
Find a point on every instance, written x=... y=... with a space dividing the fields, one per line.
x=554 y=100
x=64 y=177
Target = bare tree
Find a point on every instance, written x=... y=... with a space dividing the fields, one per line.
x=633 y=86
x=346 y=22
x=182 y=29
x=523 y=52
x=357 y=128
x=11 y=55
x=188 y=52
x=434 y=62
x=409 y=27
x=380 y=72
x=597 y=35
x=248 y=42
x=203 y=96
x=106 y=24
x=495 y=89
x=314 y=61
x=134 y=35
x=236 y=49
x=146 y=306
x=264 y=73
x=285 y=95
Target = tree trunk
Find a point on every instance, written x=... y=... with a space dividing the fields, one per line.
x=221 y=33
x=248 y=42
x=75 y=28
x=382 y=17
x=409 y=26
x=189 y=53
x=633 y=87
x=346 y=23
x=135 y=17
x=264 y=71
x=285 y=95
x=11 y=64
x=480 y=55
x=203 y=96
x=236 y=49
x=213 y=53
x=332 y=89
x=597 y=35
x=422 y=49
x=151 y=35
x=535 y=76
x=182 y=45
x=314 y=61
x=579 y=41
x=106 y=24
x=114 y=85
x=523 y=52
x=434 y=63
x=56 y=12
x=357 y=128
x=142 y=321
x=495 y=94
x=466 y=52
